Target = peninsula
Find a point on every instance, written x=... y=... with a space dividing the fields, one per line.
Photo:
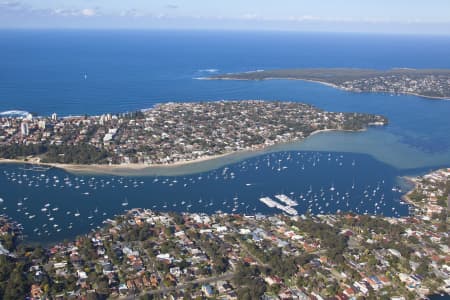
x=429 y=83
x=168 y=134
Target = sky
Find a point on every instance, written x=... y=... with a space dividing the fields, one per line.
x=381 y=16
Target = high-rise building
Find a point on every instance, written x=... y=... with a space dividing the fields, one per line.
x=41 y=124
x=24 y=128
x=54 y=117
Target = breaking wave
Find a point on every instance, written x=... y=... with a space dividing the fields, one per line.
x=209 y=70
x=14 y=113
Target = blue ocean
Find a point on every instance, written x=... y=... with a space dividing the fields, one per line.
x=93 y=72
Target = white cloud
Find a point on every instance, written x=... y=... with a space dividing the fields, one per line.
x=130 y=13
x=11 y=4
x=250 y=16
x=15 y=7
x=63 y=12
x=68 y=12
x=171 y=15
x=88 y=12
x=321 y=19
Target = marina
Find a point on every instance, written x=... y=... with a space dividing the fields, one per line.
x=273 y=204
x=285 y=199
x=53 y=205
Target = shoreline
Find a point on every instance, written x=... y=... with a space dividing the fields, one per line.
x=103 y=168
x=128 y=169
x=415 y=184
x=328 y=84
x=405 y=196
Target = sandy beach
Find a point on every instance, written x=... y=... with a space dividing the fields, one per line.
x=110 y=169
x=175 y=168
x=405 y=197
x=129 y=169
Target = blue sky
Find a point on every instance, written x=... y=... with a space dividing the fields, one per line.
x=389 y=16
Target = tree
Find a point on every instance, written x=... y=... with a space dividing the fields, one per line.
x=103 y=287
x=92 y=296
x=17 y=286
x=422 y=269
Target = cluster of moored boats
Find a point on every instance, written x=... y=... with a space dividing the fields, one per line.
x=48 y=216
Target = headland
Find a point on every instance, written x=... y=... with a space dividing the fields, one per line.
x=427 y=83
